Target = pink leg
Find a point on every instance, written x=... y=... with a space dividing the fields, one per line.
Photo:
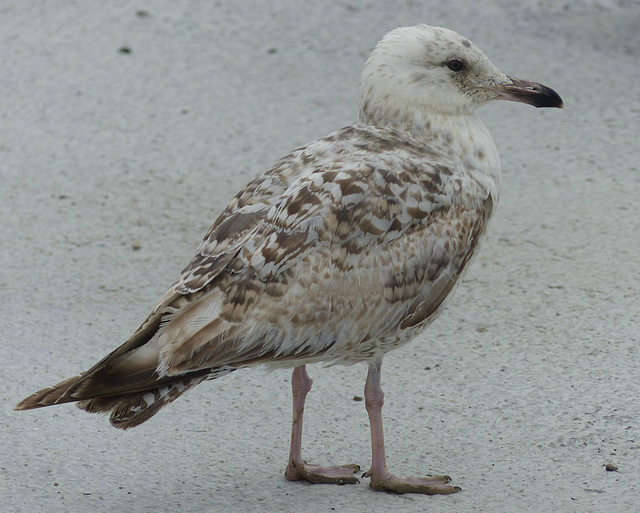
x=381 y=478
x=297 y=469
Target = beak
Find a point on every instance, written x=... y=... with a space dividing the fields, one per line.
x=538 y=95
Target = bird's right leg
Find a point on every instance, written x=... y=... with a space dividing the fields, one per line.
x=297 y=469
x=381 y=478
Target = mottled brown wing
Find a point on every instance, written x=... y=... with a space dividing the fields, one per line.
x=387 y=229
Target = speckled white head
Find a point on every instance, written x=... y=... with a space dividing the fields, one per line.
x=423 y=70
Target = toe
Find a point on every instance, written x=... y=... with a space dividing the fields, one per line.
x=343 y=474
x=432 y=485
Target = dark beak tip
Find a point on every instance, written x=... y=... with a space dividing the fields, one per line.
x=560 y=104
x=547 y=97
x=549 y=104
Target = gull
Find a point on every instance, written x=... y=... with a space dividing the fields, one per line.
x=348 y=247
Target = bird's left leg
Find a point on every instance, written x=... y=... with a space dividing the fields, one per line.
x=381 y=478
x=297 y=469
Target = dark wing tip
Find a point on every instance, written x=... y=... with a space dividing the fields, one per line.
x=49 y=396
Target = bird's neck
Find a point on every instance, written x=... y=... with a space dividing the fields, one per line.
x=463 y=137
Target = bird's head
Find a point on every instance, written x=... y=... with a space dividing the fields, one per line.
x=424 y=69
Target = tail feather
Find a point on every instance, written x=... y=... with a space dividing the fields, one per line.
x=49 y=396
x=131 y=410
x=128 y=409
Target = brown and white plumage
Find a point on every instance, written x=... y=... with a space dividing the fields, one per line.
x=344 y=250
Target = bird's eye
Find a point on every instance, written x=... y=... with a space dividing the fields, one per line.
x=455 y=65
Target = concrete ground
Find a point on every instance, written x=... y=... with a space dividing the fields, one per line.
x=127 y=126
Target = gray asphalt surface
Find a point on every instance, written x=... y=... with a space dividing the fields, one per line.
x=523 y=390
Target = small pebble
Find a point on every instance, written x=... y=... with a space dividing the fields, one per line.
x=136 y=245
x=357 y=398
x=610 y=467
